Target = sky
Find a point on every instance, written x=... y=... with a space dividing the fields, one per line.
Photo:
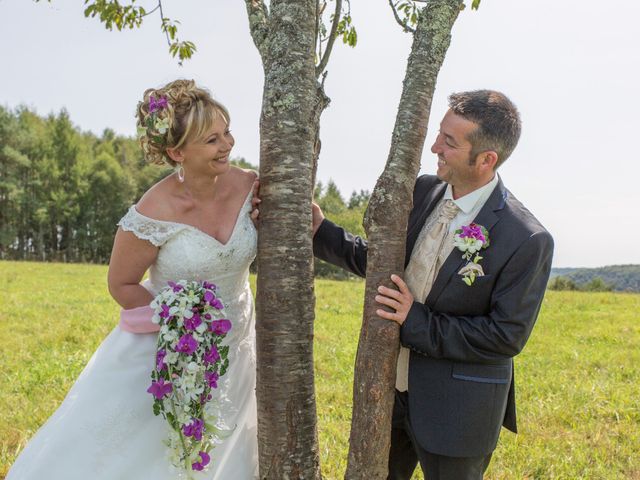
x=572 y=67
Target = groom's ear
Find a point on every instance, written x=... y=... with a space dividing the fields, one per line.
x=487 y=160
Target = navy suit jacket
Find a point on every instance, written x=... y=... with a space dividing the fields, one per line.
x=463 y=338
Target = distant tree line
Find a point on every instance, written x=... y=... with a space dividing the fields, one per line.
x=62 y=191
x=619 y=278
x=596 y=284
x=347 y=214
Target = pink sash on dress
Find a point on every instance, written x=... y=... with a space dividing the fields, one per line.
x=138 y=320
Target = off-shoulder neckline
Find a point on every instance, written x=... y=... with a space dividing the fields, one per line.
x=196 y=229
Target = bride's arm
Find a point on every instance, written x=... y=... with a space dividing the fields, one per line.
x=130 y=259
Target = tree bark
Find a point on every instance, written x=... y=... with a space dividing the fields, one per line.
x=287 y=434
x=386 y=224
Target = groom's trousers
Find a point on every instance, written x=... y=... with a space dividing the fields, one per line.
x=405 y=453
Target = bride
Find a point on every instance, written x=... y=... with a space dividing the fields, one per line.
x=193 y=225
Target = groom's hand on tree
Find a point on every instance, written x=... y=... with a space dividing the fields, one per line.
x=399 y=300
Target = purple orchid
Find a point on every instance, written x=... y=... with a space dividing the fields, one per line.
x=217 y=304
x=204 y=461
x=194 y=429
x=165 y=311
x=473 y=231
x=193 y=322
x=160 y=388
x=211 y=356
x=208 y=286
x=212 y=379
x=160 y=365
x=157 y=104
x=220 y=327
x=176 y=287
x=205 y=398
x=209 y=296
x=187 y=344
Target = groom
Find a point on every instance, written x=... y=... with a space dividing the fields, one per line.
x=461 y=322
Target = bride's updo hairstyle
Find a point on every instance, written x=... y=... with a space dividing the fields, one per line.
x=176 y=114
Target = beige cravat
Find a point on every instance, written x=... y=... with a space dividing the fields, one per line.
x=429 y=253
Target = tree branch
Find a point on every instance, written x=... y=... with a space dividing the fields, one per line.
x=403 y=24
x=332 y=38
x=163 y=20
x=258 y=15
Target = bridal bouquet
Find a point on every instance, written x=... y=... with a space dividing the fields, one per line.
x=190 y=360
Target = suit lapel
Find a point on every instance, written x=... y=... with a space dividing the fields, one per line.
x=422 y=212
x=487 y=217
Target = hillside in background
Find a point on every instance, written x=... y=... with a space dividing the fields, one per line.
x=624 y=278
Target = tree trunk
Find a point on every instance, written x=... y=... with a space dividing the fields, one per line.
x=386 y=224
x=287 y=435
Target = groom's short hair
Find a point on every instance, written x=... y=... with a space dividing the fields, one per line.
x=498 y=121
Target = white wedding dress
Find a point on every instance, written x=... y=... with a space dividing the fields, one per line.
x=105 y=428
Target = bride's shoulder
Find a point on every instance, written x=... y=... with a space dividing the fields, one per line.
x=241 y=179
x=243 y=174
x=156 y=202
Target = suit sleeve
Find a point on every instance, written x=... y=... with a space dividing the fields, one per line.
x=503 y=332
x=335 y=245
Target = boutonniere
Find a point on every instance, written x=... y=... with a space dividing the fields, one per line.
x=470 y=239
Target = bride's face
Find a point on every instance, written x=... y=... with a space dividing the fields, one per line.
x=209 y=155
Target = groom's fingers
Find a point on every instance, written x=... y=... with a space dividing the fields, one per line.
x=399 y=300
x=404 y=289
x=389 y=292
x=389 y=302
x=388 y=315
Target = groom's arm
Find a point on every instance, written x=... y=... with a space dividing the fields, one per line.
x=503 y=332
x=335 y=245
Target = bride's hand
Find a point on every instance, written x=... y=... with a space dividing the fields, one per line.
x=317 y=215
x=255 y=201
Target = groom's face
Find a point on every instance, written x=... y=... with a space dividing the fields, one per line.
x=454 y=151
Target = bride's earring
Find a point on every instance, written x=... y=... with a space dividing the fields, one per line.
x=181 y=174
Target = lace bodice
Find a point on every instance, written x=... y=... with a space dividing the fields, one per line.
x=187 y=253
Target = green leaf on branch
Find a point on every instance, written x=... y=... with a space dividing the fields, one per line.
x=347 y=30
x=475 y=4
x=183 y=50
x=112 y=13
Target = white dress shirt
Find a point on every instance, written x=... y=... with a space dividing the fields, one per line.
x=471 y=204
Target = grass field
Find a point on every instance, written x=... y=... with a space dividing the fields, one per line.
x=578 y=378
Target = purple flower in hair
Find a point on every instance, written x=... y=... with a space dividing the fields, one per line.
x=157 y=104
